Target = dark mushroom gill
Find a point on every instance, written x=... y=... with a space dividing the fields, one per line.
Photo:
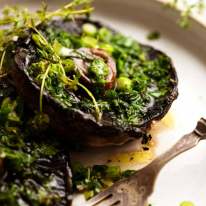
x=142 y=91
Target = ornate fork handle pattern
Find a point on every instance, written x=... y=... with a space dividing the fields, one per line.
x=200 y=129
x=185 y=143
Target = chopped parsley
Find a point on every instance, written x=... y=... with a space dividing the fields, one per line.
x=92 y=180
x=155 y=35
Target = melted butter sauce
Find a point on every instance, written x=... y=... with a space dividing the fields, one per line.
x=146 y=153
x=134 y=159
x=133 y=155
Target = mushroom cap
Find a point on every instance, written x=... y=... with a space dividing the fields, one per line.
x=75 y=125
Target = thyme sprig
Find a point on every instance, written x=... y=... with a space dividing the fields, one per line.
x=188 y=9
x=71 y=9
x=42 y=88
x=55 y=57
x=18 y=19
x=15 y=19
x=69 y=81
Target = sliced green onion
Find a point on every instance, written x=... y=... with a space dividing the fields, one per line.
x=89 y=29
x=90 y=42
x=124 y=83
x=107 y=47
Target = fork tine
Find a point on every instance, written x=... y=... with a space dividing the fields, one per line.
x=118 y=204
x=203 y=120
x=99 y=197
x=108 y=202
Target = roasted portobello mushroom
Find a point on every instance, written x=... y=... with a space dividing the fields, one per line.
x=97 y=86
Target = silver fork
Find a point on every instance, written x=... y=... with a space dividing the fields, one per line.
x=135 y=190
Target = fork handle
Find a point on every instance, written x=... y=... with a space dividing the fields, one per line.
x=187 y=142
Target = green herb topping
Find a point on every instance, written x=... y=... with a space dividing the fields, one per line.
x=92 y=180
x=123 y=82
x=33 y=171
x=153 y=35
x=140 y=80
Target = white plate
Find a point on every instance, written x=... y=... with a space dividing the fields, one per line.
x=184 y=177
